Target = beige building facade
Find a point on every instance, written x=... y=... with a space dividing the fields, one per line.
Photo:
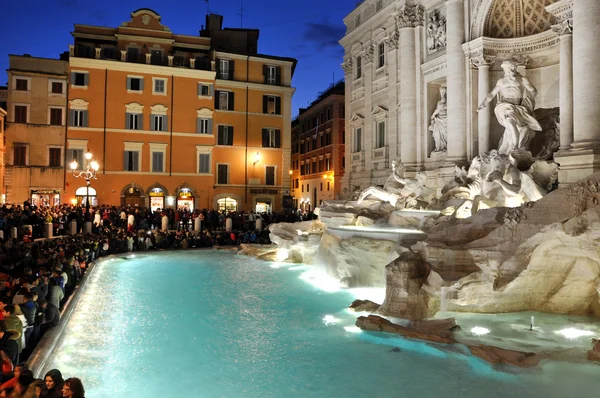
x=36 y=130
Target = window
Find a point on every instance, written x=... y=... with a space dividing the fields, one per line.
x=223 y=174
x=131 y=161
x=80 y=79
x=358 y=140
x=133 y=54
x=224 y=100
x=328 y=113
x=380 y=139
x=379 y=5
x=204 y=163
x=381 y=53
x=271 y=105
x=158 y=122
x=225 y=69
x=205 y=90
x=21 y=85
x=56 y=88
x=160 y=86
x=204 y=126
x=158 y=162
x=327 y=164
x=20 y=155
x=54 y=157
x=75 y=154
x=298 y=183
x=271 y=75
x=270 y=175
x=135 y=84
x=78 y=118
x=56 y=116
x=225 y=135
x=271 y=138
x=321 y=187
x=20 y=114
x=134 y=121
x=328 y=186
x=358 y=67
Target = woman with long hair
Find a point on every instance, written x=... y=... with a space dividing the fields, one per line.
x=73 y=388
x=54 y=382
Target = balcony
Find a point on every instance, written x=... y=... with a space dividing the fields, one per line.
x=358 y=157
x=380 y=153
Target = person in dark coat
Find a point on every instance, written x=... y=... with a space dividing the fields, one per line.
x=51 y=315
x=7 y=345
x=54 y=384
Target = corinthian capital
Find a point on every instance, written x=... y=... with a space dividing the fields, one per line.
x=347 y=66
x=482 y=60
x=563 y=28
x=392 y=41
x=410 y=16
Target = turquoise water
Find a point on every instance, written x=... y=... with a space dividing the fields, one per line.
x=214 y=324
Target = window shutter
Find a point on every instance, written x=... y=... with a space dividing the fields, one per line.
x=221 y=135
x=210 y=126
x=126 y=161
x=152 y=122
x=199 y=89
x=211 y=90
x=127 y=120
x=231 y=97
x=73 y=74
x=85 y=118
x=198 y=124
x=141 y=84
x=71 y=117
x=265 y=103
x=218 y=67
x=230 y=135
x=266 y=73
x=128 y=83
x=278 y=105
x=265 y=138
x=231 y=64
x=278 y=76
x=135 y=160
x=217 y=94
x=277 y=138
x=86 y=79
x=165 y=123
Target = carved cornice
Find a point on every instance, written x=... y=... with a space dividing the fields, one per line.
x=563 y=12
x=508 y=48
x=410 y=16
x=482 y=60
x=347 y=65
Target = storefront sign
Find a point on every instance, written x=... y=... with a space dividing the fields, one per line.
x=45 y=192
x=265 y=191
x=157 y=192
x=185 y=193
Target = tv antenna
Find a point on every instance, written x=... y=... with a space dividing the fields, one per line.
x=207 y=6
x=241 y=13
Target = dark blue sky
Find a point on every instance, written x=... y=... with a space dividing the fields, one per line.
x=307 y=30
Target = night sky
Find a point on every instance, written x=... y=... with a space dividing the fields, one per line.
x=307 y=30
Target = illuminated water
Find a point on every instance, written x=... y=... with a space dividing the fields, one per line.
x=212 y=324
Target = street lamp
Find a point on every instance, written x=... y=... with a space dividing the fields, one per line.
x=88 y=174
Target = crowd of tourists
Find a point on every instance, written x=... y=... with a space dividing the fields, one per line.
x=37 y=276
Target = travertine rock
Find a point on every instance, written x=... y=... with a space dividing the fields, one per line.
x=379 y=324
x=364 y=306
x=499 y=356
x=404 y=278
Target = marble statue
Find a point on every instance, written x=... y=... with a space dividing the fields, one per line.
x=439 y=124
x=514 y=109
x=399 y=191
x=436 y=31
x=495 y=180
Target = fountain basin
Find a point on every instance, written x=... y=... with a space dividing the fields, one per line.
x=378 y=232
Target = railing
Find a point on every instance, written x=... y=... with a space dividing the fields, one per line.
x=380 y=153
x=357 y=157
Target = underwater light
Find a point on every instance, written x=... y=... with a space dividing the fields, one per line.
x=352 y=329
x=572 y=333
x=330 y=320
x=479 y=331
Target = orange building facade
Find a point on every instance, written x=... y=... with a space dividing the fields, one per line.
x=318 y=148
x=179 y=121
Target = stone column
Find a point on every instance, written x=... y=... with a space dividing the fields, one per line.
x=456 y=82
x=407 y=19
x=565 y=30
x=393 y=125
x=483 y=63
x=586 y=74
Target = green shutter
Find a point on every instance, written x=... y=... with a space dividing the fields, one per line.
x=231 y=104
x=230 y=135
x=277 y=138
x=86 y=79
x=126 y=161
x=165 y=123
x=152 y=122
x=71 y=117
x=231 y=65
x=198 y=125
x=142 y=84
x=265 y=138
x=85 y=118
x=278 y=105
x=210 y=126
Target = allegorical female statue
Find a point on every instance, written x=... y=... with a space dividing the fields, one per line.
x=439 y=124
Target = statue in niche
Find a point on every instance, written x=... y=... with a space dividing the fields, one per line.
x=514 y=109
x=436 y=31
x=494 y=180
x=400 y=192
x=439 y=124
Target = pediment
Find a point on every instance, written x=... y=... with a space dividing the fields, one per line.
x=356 y=118
x=356 y=48
x=379 y=111
x=134 y=107
x=379 y=35
x=78 y=103
x=145 y=18
x=205 y=112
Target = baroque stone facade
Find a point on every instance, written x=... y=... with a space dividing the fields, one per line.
x=399 y=56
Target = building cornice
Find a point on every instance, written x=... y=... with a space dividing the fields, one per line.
x=253 y=86
x=153 y=39
x=92 y=63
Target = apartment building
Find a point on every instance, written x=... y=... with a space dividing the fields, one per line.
x=176 y=120
x=36 y=130
x=318 y=150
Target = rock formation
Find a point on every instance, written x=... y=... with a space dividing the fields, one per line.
x=379 y=324
x=500 y=356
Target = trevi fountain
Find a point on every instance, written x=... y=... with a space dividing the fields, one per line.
x=500 y=253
